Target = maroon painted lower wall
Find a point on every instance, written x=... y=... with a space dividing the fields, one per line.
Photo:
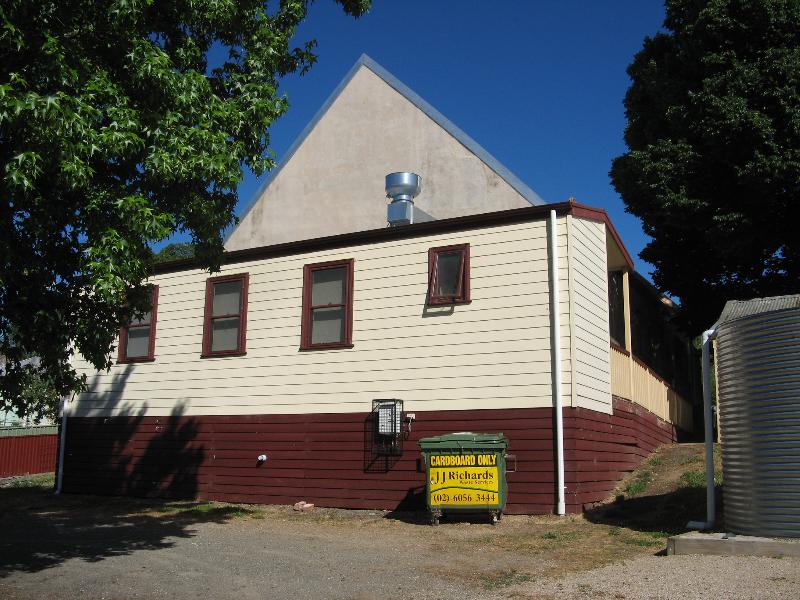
x=328 y=459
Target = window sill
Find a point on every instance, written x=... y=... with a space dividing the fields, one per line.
x=223 y=354
x=447 y=302
x=326 y=347
x=137 y=360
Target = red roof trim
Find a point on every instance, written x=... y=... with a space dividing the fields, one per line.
x=598 y=214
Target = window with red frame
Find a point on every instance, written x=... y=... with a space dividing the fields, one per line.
x=327 y=306
x=225 y=323
x=448 y=275
x=137 y=341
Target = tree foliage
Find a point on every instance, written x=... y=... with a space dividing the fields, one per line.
x=174 y=251
x=115 y=132
x=713 y=167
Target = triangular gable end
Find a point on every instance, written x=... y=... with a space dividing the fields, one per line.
x=331 y=179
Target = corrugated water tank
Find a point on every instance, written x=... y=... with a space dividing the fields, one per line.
x=758 y=376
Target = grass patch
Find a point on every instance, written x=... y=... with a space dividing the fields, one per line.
x=659 y=535
x=639 y=484
x=502 y=579
x=655 y=461
x=613 y=530
x=566 y=536
x=40 y=480
x=644 y=542
x=697 y=479
x=209 y=509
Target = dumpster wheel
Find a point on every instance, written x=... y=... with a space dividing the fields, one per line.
x=435 y=516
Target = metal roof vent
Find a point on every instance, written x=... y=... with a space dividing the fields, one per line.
x=402 y=188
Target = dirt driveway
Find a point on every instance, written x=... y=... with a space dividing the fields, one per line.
x=91 y=547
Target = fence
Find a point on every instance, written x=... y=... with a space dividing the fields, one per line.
x=633 y=380
x=25 y=450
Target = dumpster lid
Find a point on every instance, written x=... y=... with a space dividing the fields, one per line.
x=464 y=439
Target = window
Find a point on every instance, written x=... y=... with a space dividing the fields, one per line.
x=448 y=275
x=327 y=306
x=225 y=325
x=137 y=341
x=616 y=308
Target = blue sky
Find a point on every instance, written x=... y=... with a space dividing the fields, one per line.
x=539 y=84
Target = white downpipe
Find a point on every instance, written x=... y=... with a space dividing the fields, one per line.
x=561 y=508
x=63 y=439
x=61 y=444
x=708 y=419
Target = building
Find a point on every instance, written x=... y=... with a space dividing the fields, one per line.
x=263 y=383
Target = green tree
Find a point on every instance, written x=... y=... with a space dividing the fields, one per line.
x=115 y=132
x=175 y=251
x=713 y=167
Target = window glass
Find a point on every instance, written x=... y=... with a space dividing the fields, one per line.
x=145 y=320
x=227 y=298
x=448 y=273
x=616 y=308
x=327 y=325
x=138 y=342
x=225 y=334
x=328 y=286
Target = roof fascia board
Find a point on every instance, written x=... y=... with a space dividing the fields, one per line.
x=417 y=101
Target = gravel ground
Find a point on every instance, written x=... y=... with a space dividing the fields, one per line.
x=52 y=554
x=670 y=577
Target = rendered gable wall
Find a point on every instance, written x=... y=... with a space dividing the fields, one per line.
x=334 y=180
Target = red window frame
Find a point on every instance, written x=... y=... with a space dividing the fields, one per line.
x=208 y=317
x=306 y=323
x=462 y=295
x=122 y=356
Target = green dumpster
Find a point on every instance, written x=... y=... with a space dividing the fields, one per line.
x=466 y=472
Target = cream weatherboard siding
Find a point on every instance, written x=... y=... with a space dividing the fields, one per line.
x=591 y=360
x=493 y=353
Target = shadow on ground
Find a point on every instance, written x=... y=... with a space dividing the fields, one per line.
x=41 y=530
x=669 y=512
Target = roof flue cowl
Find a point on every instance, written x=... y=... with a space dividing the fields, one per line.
x=402 y=188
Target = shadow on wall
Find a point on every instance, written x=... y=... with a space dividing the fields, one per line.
x=133 y=455
x=41 y=530
x=378 y=456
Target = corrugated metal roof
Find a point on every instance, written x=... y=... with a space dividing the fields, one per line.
x=739 y=309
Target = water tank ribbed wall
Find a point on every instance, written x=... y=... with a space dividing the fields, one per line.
x=758 y=371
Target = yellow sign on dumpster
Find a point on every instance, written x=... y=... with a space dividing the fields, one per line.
x=463 y=485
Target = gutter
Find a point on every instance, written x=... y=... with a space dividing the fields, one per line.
x=561 y=508
x=708 y=336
